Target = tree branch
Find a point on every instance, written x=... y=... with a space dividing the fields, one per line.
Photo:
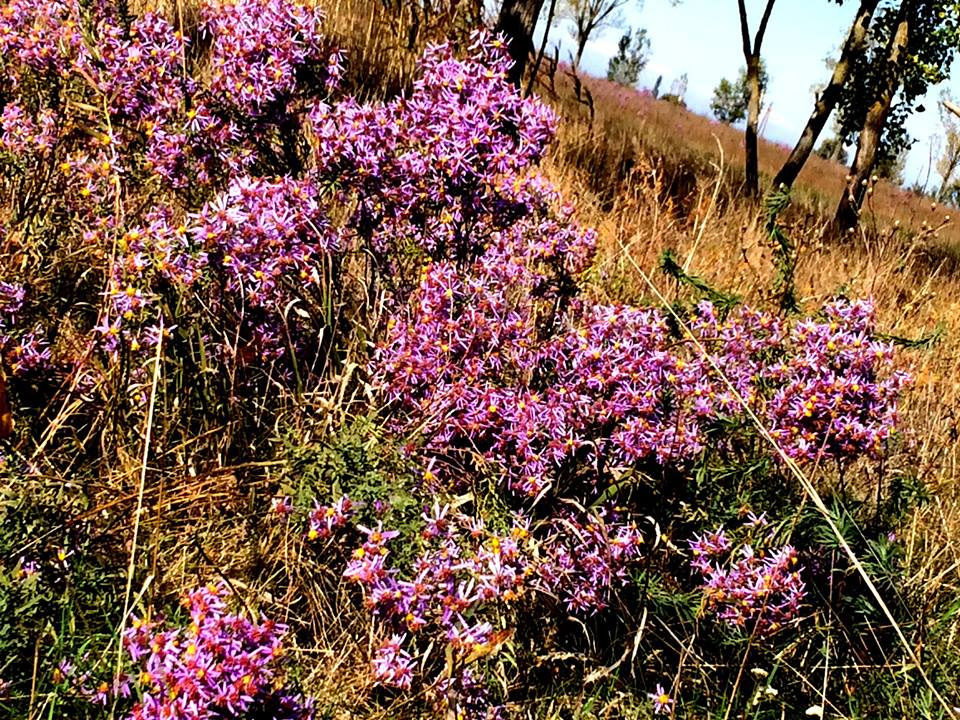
x=744 y=30
x=758 y=41
x=606 y=12
x=543 y=47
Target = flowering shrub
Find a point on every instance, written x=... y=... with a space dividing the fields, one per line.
x=761 y=591
x=220 y=196
x=586 y=558
x=442 y=171
x=462 y=575
x=262 y=52
x=221 y=665
x=500 y=372
x=615 y=387
x=838 y=397
x=199 y=141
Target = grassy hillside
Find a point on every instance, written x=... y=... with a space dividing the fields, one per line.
x=678 y=137
x=341 y=389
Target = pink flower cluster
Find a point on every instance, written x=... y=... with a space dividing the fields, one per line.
x=221 y=665
x=325 y=520
x=756 y=587
x=25 y=351
x=466 y=575
x=12 y=296
x=139 y=72
x=743 y=346
x=264 y=237
x=837 y=388
x=157 y=120
x=461 y=576
x=39 y=36
x=585 y=558
x=442 y=171
x=609 y=387
x=23 y=135
x=261 y=50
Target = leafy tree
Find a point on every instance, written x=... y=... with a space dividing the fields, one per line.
x=731 y=99
x=625 y=67
x=910 y=47
x=590 y=16
x=829 y=96
x=729 y=104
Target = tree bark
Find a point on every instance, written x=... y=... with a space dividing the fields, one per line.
x=586 y=24
x=751 y=143
x=948 y=165
x=848 y=211
x=751 y=54
x=828 y=99
x=517 y=20
x=952 y=107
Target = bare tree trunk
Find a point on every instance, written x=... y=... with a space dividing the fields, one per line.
x=751 y=54
x=585 y=28
x=848 y=211
x=543 y=46
x=948 y=164
x=753 y=116
x=952 y=107
x=579 y=55
x=517 y=20
x=827 y=101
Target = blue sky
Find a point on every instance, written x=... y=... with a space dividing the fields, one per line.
x=702 y=38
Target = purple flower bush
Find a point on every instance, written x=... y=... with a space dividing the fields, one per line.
x=225 y=199
x=442 y=172
x=200 y=145
x=757 y=587
x=839 y=398
x=617 y=388
x=586 y=557
x=451 y=593
x=221 y=665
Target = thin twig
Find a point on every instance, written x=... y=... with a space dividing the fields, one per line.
x=139 y=511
